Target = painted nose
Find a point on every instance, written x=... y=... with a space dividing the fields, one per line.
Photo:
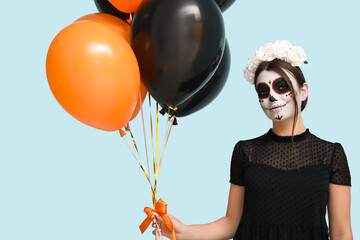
x=272 y=99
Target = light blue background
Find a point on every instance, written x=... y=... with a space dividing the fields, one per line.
x=60 y=179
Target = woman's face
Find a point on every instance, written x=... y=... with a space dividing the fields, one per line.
x=275 y=96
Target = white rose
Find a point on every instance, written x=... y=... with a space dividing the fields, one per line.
x=282 y=48
x=249 y=75
x=253 y=63
x=266 y=52
x=296 y=56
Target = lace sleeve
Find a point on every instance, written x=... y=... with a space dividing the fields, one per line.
x=340 y=173
x=237 y=164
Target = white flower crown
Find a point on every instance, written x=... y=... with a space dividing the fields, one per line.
x=281 y=49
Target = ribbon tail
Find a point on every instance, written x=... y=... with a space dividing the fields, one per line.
x=169 y=225
x=173 y=235
x=144 y=225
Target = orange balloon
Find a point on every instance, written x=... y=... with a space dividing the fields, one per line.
x=126 y=6
x=94 y=75
x=124 y=29
x=111 y=21
x=143 y=92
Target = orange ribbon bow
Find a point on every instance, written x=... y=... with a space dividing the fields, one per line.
x=160 y=207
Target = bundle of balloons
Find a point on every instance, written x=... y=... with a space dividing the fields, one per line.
x=101 y=67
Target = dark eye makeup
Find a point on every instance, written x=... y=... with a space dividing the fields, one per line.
x=263 y=90
x=280 y=86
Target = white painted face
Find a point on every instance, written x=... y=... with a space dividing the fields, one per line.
x=275 y=96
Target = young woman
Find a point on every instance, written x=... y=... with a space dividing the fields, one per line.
x=282 y=181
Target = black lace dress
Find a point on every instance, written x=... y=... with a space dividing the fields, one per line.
x=286 y=188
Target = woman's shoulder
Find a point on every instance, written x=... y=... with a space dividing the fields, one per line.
x=243 y=142
x=316 y=139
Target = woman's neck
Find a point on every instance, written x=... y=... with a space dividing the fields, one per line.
x=284 y=127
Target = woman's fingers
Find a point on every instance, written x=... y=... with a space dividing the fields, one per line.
x=159 y=224
x=157 y=232
x=156 y=218
x=154 y=224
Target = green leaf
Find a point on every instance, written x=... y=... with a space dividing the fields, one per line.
x=306 y=62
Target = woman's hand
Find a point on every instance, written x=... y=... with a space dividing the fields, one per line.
x=223 y=228
x=179 y=227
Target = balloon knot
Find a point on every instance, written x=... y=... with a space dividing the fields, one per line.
x=122 y=133
x=163 y=110
x=175 y=121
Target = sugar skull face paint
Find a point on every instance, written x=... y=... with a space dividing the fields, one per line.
x=275 y=95
x=279 y=85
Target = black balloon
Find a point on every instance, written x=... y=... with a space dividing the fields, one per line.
x=209 y=91
x=178 y=44
x=224 y=4
x=104 y=6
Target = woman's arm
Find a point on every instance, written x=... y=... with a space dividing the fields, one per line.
x=339 y=212
x=223 y=228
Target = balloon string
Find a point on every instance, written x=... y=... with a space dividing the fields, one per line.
x=165 y=142
x=153 y=190
x=158 y=232
x=157 y=135
x=133 y=139
x=140 y=164
x=153 y=149
x=128 y=129
x=167 y=122
x=157 y=147
x=142 y=118
x=152 y=131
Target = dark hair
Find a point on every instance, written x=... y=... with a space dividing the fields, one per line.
x=280 y=66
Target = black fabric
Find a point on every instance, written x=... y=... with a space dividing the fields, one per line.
x=286 y=185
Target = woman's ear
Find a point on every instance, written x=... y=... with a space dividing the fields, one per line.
x=304 y=91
